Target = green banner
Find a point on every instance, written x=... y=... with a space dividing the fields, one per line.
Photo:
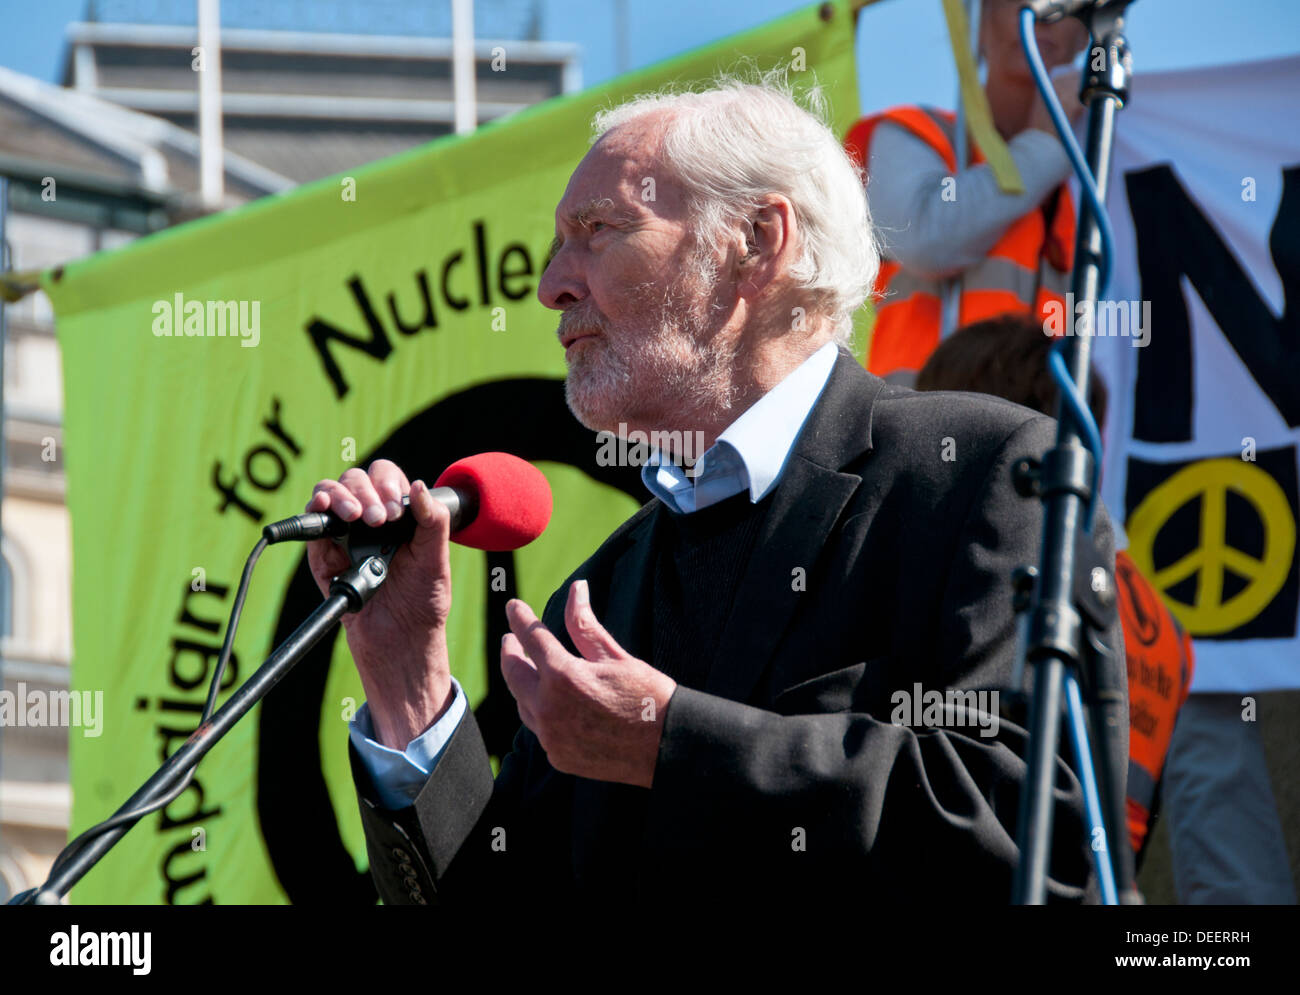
x=215 y=371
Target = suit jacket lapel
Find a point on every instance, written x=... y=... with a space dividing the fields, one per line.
x=806 y=504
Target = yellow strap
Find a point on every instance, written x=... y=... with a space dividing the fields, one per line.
x=979 y=117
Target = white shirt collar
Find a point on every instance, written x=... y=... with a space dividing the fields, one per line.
x=765 y=434
x=751 y=453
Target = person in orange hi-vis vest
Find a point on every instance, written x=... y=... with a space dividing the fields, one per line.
x=955 y=233
x=1007 y=356
x=1159 y=656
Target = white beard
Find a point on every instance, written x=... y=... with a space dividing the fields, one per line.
x=657 y=370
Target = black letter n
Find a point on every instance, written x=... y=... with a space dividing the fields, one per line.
x=1174 y=240
x=377 y=345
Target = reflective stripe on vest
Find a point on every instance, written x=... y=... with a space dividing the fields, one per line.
x=991 y=273
x=1025 y=271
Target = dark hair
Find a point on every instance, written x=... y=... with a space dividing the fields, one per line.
x=1005 y=356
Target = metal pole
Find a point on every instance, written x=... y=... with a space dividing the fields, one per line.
x=349 y=592
x=963 y=142
x=463 y=67
x=1056 y=633
x=211 y=140
x=620 y=36
x=5 y=266
x=950 y=306
x=257 y=687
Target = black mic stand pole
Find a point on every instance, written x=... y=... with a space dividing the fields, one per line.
x=349 y=592
x=1058 y=630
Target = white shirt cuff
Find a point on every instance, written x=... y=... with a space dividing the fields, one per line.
x=398 y=775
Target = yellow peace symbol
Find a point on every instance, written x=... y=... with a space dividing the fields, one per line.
x=1210 y=480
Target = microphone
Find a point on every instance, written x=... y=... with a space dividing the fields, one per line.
x=498 y=502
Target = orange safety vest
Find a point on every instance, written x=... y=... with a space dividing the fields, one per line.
x=1026 y=270
x=1160 y=667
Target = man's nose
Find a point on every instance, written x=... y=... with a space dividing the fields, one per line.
x=562 y=284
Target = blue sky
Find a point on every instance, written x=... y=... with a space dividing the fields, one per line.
x=902 y=43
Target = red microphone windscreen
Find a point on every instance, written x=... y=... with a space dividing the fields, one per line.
x=514 y=500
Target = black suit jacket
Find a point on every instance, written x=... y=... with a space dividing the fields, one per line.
x=883 y=563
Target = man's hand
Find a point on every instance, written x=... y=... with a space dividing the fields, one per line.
x=399 y=639
x=598 y=715
x=1066 y=85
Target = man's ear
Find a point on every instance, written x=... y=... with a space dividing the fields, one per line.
x=769 y=245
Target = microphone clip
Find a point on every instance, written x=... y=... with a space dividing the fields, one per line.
x=359 y=584
x=362 y=542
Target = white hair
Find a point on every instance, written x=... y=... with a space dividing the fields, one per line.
x=738 y=141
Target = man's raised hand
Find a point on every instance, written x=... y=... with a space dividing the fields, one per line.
x=398 y=639
x=598 y=715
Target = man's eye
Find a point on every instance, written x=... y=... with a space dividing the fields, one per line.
x=596 y=226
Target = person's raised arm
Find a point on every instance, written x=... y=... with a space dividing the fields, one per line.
x=937 y=224
x=399 y=639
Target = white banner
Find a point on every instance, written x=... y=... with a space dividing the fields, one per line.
x=1204 y=422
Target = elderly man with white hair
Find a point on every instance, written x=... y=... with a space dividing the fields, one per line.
x=734 y=697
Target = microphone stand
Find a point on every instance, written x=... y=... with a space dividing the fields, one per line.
x=1073 y=600
x=349 y=592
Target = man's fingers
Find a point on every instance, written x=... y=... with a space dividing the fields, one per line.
x=588 y=635
x=375 y=496
x=331 y=495
x=357 y=482
x=390 y=483
x=320 y=498
x=326 y=559
x=520 y=674
x=538 y=641
x=431 y=516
